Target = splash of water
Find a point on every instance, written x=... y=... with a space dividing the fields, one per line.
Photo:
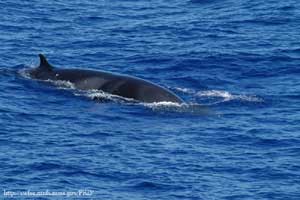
x=228 y=96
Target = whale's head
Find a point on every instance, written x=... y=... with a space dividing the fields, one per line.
x=43 y=72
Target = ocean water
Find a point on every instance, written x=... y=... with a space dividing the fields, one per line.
x=235 y=63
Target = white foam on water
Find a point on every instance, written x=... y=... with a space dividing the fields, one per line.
x=99 y=94
x=162 y=103
x=185 y=90
x=191 y=108
x=62 y=84
x=24 y=73
x=228 y=96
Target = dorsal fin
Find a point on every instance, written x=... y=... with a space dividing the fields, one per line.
x=44 y=63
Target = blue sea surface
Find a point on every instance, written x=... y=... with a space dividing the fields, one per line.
x=236 y=64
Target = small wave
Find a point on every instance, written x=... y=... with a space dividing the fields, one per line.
x=9 y=71
x=185 y=90
x=191 y=108
x=103 y=96
x=228 y=96
x=147 y=185
x=151 y=185
x=44 y=166
x=212 y=97
x=24 y=73
x=202 y=1
x=63 y=84
x=163 y=104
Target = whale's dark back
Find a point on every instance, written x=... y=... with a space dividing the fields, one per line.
x=121 y=85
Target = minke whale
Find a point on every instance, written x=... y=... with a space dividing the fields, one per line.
x=116 y=84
